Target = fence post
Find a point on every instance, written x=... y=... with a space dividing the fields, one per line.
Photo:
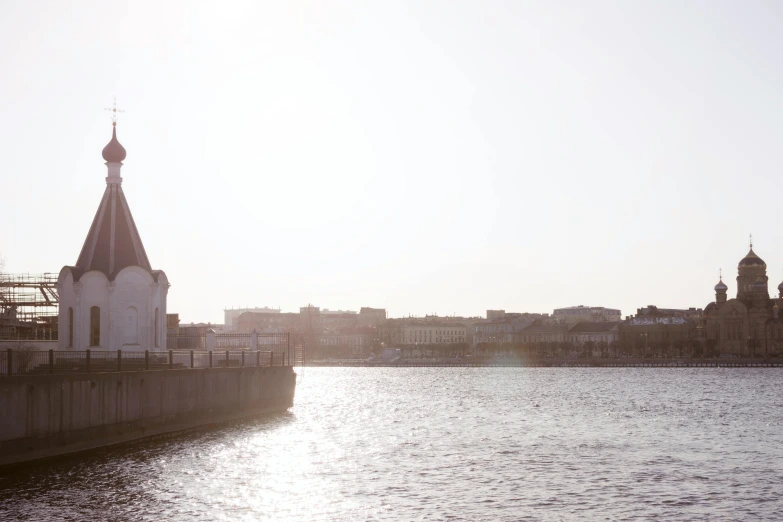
x=51 y=361
x=10 y=362
x=191 y=358
x=254 y=340
x=88 y=360
x=243 y=358
x=258 y=358
x=288 y=339
x=210 y=358
x=119 y=360
x=171 y=360
x=272 y=358
x=146 y=359
x=228 y=363
x=210 y=339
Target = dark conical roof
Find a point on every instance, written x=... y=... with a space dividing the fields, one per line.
x=113 y=241
x=114 y=152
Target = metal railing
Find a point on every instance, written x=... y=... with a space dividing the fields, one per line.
x=230 y=341
x=186 y=342
x=27 y=362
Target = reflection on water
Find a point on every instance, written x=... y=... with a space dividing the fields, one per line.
x=464 y=443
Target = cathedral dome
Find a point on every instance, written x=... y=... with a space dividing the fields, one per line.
x=114 y=152
x=752 y=260
x=721 y=287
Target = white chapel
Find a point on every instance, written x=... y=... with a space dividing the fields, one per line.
x=112 y=299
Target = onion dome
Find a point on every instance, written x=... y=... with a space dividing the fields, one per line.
x=752 y=260
x=721 y=287
x=114 y=152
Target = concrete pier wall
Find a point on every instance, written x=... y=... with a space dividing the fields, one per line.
x=47 y=415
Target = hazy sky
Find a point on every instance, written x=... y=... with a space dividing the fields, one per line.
x=426 y=157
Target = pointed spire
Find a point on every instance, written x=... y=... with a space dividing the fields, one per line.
x=113 y=241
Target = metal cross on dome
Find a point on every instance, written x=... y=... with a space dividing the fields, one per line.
x=114 y=110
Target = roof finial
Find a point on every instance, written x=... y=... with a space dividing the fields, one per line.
x=720 y=274
x=751 y=241
x=114 y=110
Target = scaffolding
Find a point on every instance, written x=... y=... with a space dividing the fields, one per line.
x=29 y=305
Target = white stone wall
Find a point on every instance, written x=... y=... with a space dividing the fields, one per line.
x=127 y=310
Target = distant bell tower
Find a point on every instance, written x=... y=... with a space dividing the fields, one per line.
x=720 y=290
x=751 y=276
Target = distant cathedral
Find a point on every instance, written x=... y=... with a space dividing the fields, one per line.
x=112 y=299
x=749 y=325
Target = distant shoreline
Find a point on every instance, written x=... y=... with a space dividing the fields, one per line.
x=629 y=362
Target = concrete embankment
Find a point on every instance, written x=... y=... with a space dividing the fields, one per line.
x=47 y=415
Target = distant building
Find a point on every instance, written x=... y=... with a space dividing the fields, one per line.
x=689 y=313
x=200 y=329
x=655 y=331
x=172 y=324
x=581 y=313
x=495 y=314
x=390 y=331
x=602 y=335
x=542 y=332
x=503 y=328
x=314 y=320
x=310 y=321
x=354 y=341
x=397 y=331
x=371 y=317
x=433 y=333
x=750 y=324
x=261 y=321
x=231 y=315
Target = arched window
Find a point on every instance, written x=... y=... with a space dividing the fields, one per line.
x=157 y=343
x=95 y=326
x=131 y=326
x=70 y=327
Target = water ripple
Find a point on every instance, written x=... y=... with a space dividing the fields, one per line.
x=450 y=444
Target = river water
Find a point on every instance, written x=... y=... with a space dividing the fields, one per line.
x=450 y=444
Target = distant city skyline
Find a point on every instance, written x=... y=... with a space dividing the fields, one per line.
x=440 y=158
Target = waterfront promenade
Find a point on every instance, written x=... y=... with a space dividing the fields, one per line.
x=614 y=362
x=66 y=402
